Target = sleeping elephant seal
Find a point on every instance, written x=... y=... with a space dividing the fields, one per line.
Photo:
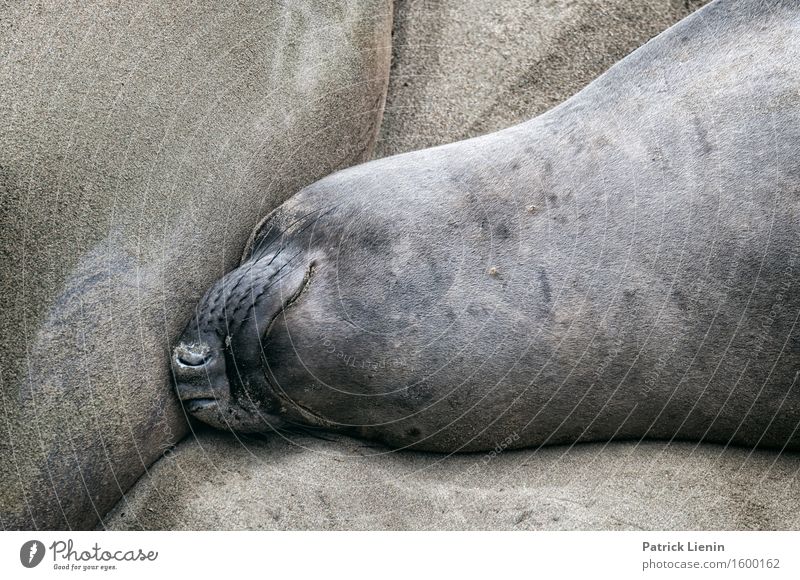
x=623 y=266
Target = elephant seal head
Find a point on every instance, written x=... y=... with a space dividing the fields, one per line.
x=218 y=362
x=341 y=287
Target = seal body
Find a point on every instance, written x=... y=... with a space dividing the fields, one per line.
x=623 y=266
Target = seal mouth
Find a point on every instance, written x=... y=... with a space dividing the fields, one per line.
x=195 y=405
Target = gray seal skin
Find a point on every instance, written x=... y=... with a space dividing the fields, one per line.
x=624 y=266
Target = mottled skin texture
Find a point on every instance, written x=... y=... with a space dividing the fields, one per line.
x=623 y=266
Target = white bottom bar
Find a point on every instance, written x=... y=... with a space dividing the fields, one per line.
x=353 y=555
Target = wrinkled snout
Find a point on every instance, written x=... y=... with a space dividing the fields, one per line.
x=200 y=378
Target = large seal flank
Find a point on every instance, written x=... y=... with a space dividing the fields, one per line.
x=623 y=266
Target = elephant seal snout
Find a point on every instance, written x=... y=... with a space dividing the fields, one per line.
x=217 y=363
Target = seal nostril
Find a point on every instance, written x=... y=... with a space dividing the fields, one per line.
x=193 y=355
x=192 y=360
